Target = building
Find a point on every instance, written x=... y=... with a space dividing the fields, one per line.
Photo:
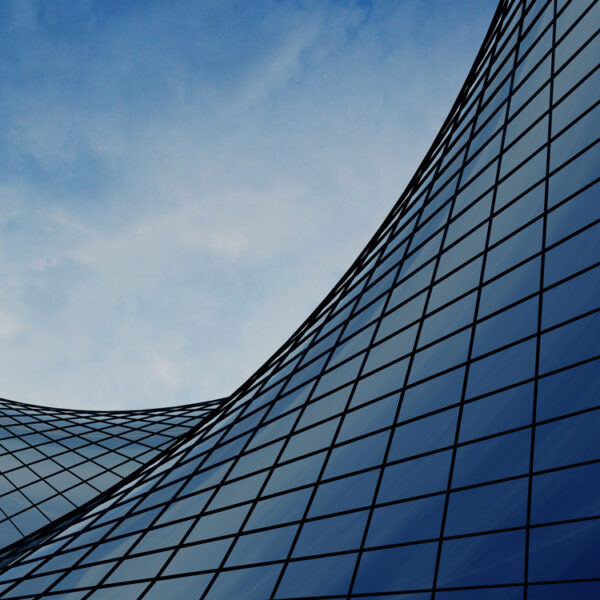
x=431 y=430
x=54 y=460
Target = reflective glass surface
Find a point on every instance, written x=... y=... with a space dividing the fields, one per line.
x=430 y=431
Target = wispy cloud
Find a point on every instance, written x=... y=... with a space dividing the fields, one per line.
x=180 y=188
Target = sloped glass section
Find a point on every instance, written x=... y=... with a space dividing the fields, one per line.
x=431 y=430
x=53 y=461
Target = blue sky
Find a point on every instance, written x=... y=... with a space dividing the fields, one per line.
x=181 y=183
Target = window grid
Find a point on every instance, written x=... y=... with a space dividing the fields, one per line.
x=410 y=432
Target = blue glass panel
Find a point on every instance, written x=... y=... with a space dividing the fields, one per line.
x=424 y=435
x=316 y=577
x=339 y=376
x=273 y=430
x=327 y=406
x=62 y=561
x=310 y=440
x=506 y=327
x=477 y=186
x=254 y=584
x=562 y=552
x=441 y=356
x=180 y=587
x=371 y=417
x=566 y=494
x=567 y=19
x=495 y=506
x=463 y=280
x=575 y=175
x=380 y=383
x=335 y=534
x=140 y=567
x=520 y=150
x=483 y=560
x=496 y=413
x=571 y=256
x=344 y=494
x=535 y=80
x=532 y=111
x=112 y=549
x=351 y=346
x=408 y=521
x=469 y=219
x=197 y=558
x=288 y=402
x=432 y=394
x=513 y=250
x=295 y=474
x=529 y=173
x=263 y=546
x=396 y=569
x=570 y=440
x=306 y=373
x=569 y=391
x=427 y=229
x=560 y=591
x=501 y=369
x=393 y=348
x=410 y=286
x=579 y=211
x=579 y=66
x=525 y=209
x=401 y=317
x=456 y=256
x=570 y=343
x=238 y=491
x=254 y=461
x=217 y=524
x=423 y=475
x=279 y=509
x=578 y=100
x=354 y=456
x=162 y=537
x=575 y=138
x=503 y=456
x=572 y=298
x=447 y=320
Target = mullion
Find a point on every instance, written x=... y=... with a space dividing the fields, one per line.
x=382 y=467
x=382 y=256
x=222 y=482
x=477 y=302
x=101 y=498
x=534 y=423
x=363 y=270
x=398 y=268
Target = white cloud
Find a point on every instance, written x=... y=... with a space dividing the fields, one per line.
x=180 y=195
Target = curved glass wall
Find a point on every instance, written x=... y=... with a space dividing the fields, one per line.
x=431 y=431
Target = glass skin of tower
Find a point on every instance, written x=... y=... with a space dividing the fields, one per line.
x=54 y=460
x=431 y=431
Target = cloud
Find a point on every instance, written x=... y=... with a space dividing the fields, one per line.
x=181 y=188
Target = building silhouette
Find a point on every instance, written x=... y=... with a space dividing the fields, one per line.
x=432 y=429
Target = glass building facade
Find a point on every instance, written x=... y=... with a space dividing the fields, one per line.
x=54 y=460
x=432 y=430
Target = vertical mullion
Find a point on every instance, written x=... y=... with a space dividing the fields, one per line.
x=419 y=327
x=274 y=465
x=354 y=383
x=478 y=298
x=539 y=321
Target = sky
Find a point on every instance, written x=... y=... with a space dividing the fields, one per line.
x=182 y=183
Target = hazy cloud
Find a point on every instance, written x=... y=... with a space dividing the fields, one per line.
x=179 y=188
